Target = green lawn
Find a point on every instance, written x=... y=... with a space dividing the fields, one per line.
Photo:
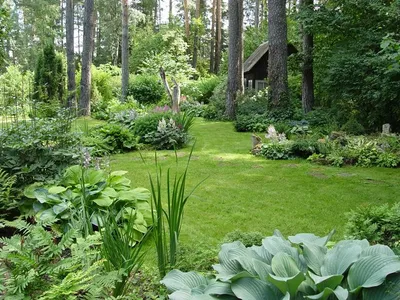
x=253 y=194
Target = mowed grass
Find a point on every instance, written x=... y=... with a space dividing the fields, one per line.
x=254 y=194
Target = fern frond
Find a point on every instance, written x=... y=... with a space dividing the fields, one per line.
x=68 y=238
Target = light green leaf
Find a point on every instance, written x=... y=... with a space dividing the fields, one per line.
x=103 y=201
x=377 y=250
x=93 y=176
x=47 y=215
x=118 y=173
x=314 y=256
x=371 y=271
x=254 y=289
x=57 y=189
x=326 y=281
x=72 y=175
x=287 y=284
x=110 y=192
x=126 y=195
x=141 y=194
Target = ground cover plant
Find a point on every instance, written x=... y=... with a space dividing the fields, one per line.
x=302 y=267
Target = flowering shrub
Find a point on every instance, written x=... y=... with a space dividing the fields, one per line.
x=167 y=136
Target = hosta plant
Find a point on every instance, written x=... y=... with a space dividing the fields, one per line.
x=96 y=193
x=302 y=267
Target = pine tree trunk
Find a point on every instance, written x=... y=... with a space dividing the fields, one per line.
x=307 y=96
x=196 y=36
x=69 y=27
x=235 y=56
x=186 y=16
x=125 y=50
x=212 y=49
x=218 y=36
x=170 y=15
x=277 y=60
x=88 y=41
x=257 y=14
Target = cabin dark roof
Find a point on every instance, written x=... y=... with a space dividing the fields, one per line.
x=255 y=57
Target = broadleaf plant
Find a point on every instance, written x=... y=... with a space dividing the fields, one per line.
x=101 y=194
x=301 y=268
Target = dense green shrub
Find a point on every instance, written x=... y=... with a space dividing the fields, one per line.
x=216 y=107
x=125 y=117
x=246 y=238
x=194 y=108
x=146 y=89
x=304 y=147
x=252 y=123
x=38 y=150
x=319 y=117
x=116 y=137
x=148 y=123
x=301 y=267
x=276 y=150
x=201 y=90
x=199 y=257
x=15 y=85
x=352 y=126
x=49 y=80
x=377 y=224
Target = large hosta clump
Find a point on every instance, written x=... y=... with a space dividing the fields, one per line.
x=299 y=268
x=100 y=192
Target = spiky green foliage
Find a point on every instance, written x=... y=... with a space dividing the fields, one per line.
x=120 y=250
x=167 y=237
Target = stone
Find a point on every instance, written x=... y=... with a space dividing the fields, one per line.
x=386 y=128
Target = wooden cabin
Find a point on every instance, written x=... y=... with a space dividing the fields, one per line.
x=256 y=67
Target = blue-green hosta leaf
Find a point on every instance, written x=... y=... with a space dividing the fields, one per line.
x=389 y=290
x=302 y=238
x=262 y=269
x=283 y=265
x=287 y=284
x=254 y=289
x=339 y=292
x=228 y=266
x=218 y=288
x=47 y=215
x=371 y=271
x=262 y=253
x=59 y=208
x=41 y=194
x=275 y=244
x=342 y=256
x=323 y=282
x=314 y=256
x=110 y=192
x=377 y=250
x=183 y=281
x=307 y=287
x=103 y=200
x=57 y=189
